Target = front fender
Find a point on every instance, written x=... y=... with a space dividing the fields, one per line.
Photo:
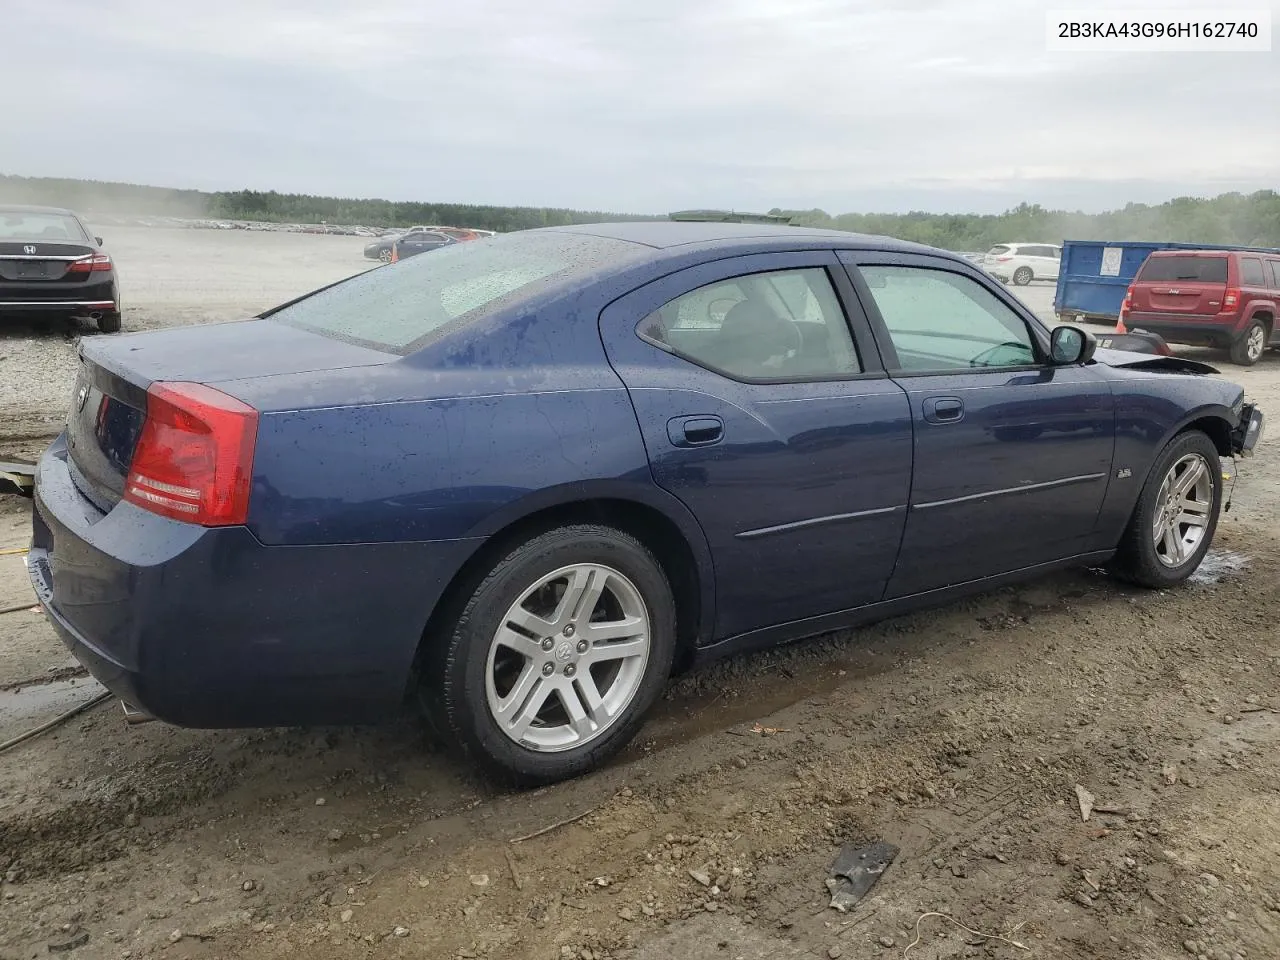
x=1151 y=409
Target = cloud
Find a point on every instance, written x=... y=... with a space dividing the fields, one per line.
x=940 y=104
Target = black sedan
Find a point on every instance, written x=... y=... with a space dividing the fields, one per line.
x=412 y=244
x=51 y=266
x=380 y=247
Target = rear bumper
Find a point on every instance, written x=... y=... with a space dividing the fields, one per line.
x=80 y=298
x=210 y=628
x=1194 y=330
x=59 y=306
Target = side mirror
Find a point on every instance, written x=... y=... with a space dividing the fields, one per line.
x=1071 y=345
x=98 y=240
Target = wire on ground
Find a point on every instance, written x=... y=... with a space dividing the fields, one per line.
x=50 y=724
x=976 y=933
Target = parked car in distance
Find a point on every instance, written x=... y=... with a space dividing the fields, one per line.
x=521 y=480
x=380 y=249
x=1020 y=263
x=52 y=267
x=1219 y=298
x=412 y=244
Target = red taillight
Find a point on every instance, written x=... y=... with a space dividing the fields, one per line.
x=1230 y=300
x=1127 y=305
x=194 y=458
x=1003 y=259
x=91 y=264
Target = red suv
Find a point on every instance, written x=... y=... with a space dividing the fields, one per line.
x=1219 y=298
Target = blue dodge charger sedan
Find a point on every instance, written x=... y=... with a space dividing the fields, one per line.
x=520 y=481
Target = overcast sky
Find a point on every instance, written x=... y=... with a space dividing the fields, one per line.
x=643 y=106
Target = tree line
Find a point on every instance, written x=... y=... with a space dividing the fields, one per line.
x=91 y=197
x=1246 y=219
x=1249 y=219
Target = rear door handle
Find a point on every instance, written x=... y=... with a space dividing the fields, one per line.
x=944 y=409
x=695 y=431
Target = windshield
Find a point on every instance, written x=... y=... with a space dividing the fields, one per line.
x=40 y=226
x=399 y=307
x=1201 y=269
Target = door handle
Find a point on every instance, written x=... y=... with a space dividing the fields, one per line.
x=944 y=409
x=695 y=431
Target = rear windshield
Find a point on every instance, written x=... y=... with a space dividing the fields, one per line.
x=1199 y=269
x=39 y=226
x=997 y=250
x=399 y=307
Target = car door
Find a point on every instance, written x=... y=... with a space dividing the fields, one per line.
x=765 y=409
x=1012 y=454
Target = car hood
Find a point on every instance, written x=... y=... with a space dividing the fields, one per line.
x=1132 y=360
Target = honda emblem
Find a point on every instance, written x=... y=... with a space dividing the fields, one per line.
x=82 y=396
x=29 y=249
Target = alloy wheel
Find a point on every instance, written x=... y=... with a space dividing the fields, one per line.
x=1183 y=508
x=1256 y=343
x=568 y=659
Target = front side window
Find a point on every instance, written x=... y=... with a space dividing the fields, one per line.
x=944 y=321
x=783 y=325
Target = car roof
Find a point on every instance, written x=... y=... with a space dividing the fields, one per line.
x=25 y=208
x=664 y=234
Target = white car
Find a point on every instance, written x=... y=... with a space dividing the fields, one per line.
x=1020 y=263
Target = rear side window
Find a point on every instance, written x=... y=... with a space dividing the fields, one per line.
x=1251 y=272
x=1275 y=273
x=780 y=326
x=398 y=308
x=1191 y=268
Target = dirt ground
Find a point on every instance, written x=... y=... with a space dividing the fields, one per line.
x=958 y=735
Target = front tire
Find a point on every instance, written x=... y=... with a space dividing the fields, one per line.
x=1022 y=276
x=556 y=656
x=385 y=255
x=1176 y=516
x=1250 y=345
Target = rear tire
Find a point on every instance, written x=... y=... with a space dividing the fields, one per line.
x=534 y=685
x=1158 y=548
x=109 y=323
x=1250 y=345
x=1022 y=276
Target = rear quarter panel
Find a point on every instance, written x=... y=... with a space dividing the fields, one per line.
x=509 y=417
x=513 y=415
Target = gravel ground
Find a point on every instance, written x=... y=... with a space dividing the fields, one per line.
x=959 y=735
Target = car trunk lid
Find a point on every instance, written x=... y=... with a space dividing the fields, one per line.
x=1187 y=284
x=35 y=261
x=109 y=400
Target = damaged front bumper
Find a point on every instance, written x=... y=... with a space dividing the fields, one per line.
x=1248 y=431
